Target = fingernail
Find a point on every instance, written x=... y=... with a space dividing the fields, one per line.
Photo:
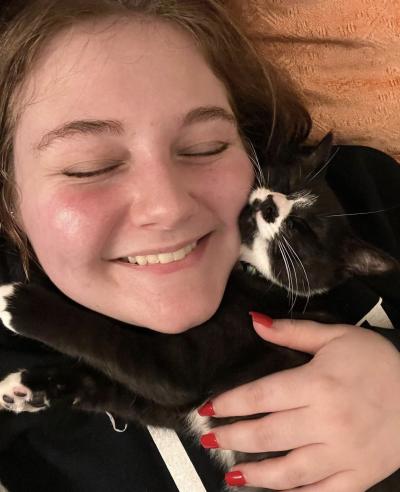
x=263 y=319
x=209 y=441
x=206 y=410
x=235 y=478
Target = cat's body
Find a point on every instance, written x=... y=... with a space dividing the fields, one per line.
x=161 y=379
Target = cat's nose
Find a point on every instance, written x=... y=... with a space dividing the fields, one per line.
x=269 y=210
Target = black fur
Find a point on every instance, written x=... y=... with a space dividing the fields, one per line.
x=157 y=378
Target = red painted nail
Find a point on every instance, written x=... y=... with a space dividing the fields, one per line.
x=235 y=478
x=206 y=410
x=209 y=441
x=263 y=319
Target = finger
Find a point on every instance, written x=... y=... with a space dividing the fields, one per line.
x=275 y=432
x=279 y=391
x=306 y=336
x=300 y=467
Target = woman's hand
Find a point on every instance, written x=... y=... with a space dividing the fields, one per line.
x=339 y=413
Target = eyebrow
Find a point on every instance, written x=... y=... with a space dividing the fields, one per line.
x=207 y=113
x=80 y=127
x=114 y=127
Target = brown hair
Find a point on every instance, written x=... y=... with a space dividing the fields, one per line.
x=268 y=113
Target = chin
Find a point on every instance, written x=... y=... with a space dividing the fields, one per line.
x=184 y=318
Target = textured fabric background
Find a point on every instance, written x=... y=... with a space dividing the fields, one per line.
x=345 y=57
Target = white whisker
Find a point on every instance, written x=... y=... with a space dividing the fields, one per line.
x=361 y=213
x=313 y=176
x=295 y=291
x=256 y=165
x=290 y=284
x=274 y=110
x=304 y=271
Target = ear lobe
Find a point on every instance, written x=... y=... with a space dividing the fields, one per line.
x=360 y=258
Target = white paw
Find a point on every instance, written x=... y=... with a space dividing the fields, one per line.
x=6 y=292
x=197 y=426
x=17 y=398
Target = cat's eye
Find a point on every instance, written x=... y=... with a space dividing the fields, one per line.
x=296 y=222
x=290 y=223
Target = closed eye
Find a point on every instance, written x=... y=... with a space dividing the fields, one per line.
x=198 y=152
x=91 y=174
x=294 y=221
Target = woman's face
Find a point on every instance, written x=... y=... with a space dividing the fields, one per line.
x=127 y=147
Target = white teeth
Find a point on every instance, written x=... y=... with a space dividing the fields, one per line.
x=141 y=260
x=179 y=255
x=166 y=257
x=162 y=257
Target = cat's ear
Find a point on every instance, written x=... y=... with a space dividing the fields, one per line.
x=360 y=258
x=316 y=161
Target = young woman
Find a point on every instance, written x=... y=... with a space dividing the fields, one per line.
x=124 y=131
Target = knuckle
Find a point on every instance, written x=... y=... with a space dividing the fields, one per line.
x=344 y=420
x=327 y=385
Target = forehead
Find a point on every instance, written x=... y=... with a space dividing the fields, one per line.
x=116 y=68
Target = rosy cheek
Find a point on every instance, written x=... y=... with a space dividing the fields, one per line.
x=67 y=223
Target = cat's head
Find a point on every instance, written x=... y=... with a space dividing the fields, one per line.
x=294 y=231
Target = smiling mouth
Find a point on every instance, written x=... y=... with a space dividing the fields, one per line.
x=163 y=258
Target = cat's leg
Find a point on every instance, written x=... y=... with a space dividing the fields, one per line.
x=72 y=385
x=128 y=354
x=6 y=293
x=16 y=397
x=38 y=388
x=82 y=388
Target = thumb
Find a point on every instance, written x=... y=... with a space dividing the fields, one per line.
x=306 y=336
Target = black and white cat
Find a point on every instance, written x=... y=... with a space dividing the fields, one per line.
x=294 y=234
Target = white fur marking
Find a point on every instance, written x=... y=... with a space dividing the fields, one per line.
x=6 y=291
x=258 y=256
x=8 y=387
x=198 y=426
x=269 y=230
x=303 y=199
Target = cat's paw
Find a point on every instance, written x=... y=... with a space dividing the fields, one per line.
x=7 y=292
x=17 y=397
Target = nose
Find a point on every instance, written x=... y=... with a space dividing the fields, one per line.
x=164 y=200
x=269 y=210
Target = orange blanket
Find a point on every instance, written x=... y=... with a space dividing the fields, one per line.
x=344 y=56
